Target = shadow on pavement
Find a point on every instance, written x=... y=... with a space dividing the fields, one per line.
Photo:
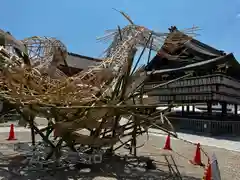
x=113 y=168
x=76 y=175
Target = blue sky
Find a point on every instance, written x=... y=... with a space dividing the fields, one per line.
x=77 y=23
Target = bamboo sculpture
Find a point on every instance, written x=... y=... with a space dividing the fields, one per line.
x=96 y=100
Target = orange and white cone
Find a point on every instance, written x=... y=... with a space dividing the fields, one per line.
x=197 y=158
x=208 y=172
x=212 y=171
x=11 y=136
x=168 y=143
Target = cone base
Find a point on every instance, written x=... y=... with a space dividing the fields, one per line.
x=168 y=149
x=11 y=139
x=196 y=164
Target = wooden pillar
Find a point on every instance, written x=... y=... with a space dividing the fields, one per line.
x=31 y=121
x=182 y=110
x=134 y=137
x=209 y=107
x=188 y=108
x=193 y=108
x=169 y=102
x=235 y=109
x=224 y=108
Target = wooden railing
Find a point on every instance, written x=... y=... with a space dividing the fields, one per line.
x=217 y=87
x=10 y=117
x=206 y=116
x=207 y=126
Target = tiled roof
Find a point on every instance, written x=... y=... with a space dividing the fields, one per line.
x=85 y=57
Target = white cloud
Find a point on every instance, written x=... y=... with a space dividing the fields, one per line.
x=238 y=15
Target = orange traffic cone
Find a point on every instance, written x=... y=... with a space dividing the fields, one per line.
x=167 y=143
x=208 y=172
x=197 y=159
x=11 y=136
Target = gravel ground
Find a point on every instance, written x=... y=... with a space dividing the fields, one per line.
x=229 y=161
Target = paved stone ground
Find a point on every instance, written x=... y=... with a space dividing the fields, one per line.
x=229 y=161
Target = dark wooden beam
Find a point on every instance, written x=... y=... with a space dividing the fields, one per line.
x=235 y=109
x=224 y=108
x=209 y=107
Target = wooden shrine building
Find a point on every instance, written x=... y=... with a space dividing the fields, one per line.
x=215 y=79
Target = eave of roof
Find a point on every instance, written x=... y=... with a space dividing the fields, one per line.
x=203 y=49
x=85 y=57
x=210 y=48
x=220 y=59
x=199 y=50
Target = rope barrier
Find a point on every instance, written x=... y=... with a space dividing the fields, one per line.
x=188 y=142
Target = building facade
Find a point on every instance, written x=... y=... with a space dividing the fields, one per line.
x=214 y=80
x=77 y=63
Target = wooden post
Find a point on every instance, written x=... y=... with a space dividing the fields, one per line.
x=235 y=109
x=224 y=108
x=182 y=110
x=150 y=51
x=116 y=119
x=169 y=104
x=134 y=136
x=134 y=68
x=26 y=117
x=209 y=107
x=31 y=121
